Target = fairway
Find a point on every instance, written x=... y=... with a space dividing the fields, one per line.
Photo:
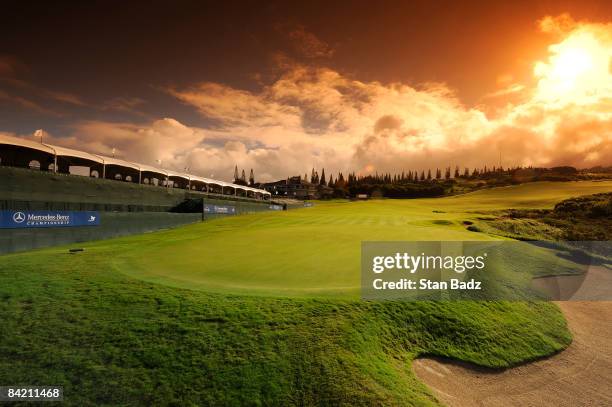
x=313 y=251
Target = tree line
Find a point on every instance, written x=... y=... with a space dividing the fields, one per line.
x=428 y=183
x=420 y=183
x=406 y=177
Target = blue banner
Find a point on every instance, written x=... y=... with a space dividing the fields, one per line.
x=47 y=219
x=276 y=207
x=228 y=210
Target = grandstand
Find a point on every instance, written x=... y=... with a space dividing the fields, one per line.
x=23 y=153
x=124 y=197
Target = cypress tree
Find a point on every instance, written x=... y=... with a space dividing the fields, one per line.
x=252 y=178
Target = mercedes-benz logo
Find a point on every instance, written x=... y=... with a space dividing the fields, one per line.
x=18 y=217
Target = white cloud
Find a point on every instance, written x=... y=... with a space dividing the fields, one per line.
x=312 y=116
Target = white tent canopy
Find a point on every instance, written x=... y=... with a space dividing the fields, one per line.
x=178 y=174
x=58 y=151
x=148 y=168
x=120 y=163
x=68 y=152
x=22 y=142
x=198 y=179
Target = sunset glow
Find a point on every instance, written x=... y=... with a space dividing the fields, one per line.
x=537 y=89
x=578 y=69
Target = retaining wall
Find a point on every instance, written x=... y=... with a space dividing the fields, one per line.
x=112 y=224
x=125 y=208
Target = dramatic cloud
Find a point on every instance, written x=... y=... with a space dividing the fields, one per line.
x=164 y=140
x=316 y=117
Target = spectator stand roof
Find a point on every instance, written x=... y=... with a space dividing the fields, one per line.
x=59 y=151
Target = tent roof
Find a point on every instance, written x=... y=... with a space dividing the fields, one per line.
x=121 y=163
x=178 y=174
x=148 y=168
x=213 y=181
x=22 y=142
x=199 y=179
x=69 y=152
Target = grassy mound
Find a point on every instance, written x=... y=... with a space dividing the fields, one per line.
x=581 y=218
x=110 y=339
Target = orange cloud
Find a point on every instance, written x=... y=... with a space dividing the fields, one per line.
x=559 y=25
x=313 y=116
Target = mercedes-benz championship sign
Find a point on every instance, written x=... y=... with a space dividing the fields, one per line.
x=47 y=219
x=227 y=209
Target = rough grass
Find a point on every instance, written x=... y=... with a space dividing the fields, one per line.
x=583 y=218
x=85 y=322
x=113 y=340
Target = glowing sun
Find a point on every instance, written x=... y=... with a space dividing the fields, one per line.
x=577 y=70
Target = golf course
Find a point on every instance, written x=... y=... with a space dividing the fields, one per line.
x=263 y=309
x=315 y=251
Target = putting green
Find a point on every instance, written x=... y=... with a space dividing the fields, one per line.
x=312 y=251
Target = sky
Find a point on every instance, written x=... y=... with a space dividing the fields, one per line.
x=282 y=87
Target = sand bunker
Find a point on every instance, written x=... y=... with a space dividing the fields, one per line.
x=579 y=376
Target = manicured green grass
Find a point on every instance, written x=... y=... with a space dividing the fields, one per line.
x=314 y=251
x=85 y=322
